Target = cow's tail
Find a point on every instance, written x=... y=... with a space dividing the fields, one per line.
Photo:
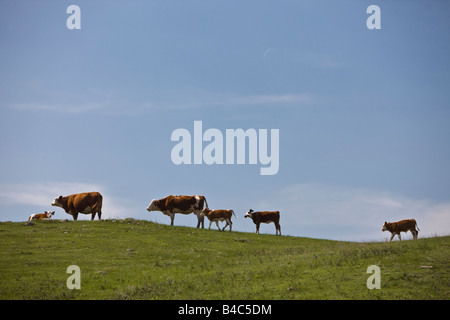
x=234 y=214
x=206 y=202
x=417 y=226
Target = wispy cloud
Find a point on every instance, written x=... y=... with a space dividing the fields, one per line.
x=343 y=213
x=61 y=107
x=182 y=99
x=264 y=99
x=268 y=51
x=203 y=99
x=40 y=195
x=310 y=210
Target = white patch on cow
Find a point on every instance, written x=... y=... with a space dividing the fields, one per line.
x=56 y=203
x=152 y=206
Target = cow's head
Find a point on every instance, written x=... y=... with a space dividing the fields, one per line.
x=249 y=214
x=206 y=211
x=153 y=206
x=57 y=202
x=50 y=213
x=384 y=227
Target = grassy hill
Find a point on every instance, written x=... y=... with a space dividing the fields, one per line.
x=134 y=259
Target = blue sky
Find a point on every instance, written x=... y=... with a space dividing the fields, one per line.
x=363 y=115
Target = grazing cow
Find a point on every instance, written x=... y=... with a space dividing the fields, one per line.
x=86 y=203
x=219 y=215
x=41 y=216
x=180 y=204
x=401 y=226
x=265 y=217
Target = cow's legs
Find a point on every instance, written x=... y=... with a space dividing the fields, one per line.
x=99 y=214
x=92 y=216
x=201 y=219
x=278 y=229
x=172 y=217
x=257 y=228
x=226 y=225
x=399 y=236
x=392 y=237
x=217 y=224
x=229 y=223
x=210 y=222
x=75 y=216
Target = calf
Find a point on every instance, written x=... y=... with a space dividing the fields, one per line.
x=401 y=226
x=218 y=215
x=41 y=216
x=265 y=217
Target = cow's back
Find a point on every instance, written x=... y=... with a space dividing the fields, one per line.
x=220 y=213
x=408 y=224
x=183 y=203
x=179 y=202
x=80 y=201
x=401 y=226
x=268 y=216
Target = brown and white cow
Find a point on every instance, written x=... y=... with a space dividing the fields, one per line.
x=219 y=215
x=86 y=203
x=47 y=215
x=180 y=204
x=401 y=226
x=265 y=217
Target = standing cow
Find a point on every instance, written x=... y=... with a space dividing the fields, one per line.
x=401 y=226
x=180 y=204
x=265 y=217
x=86 y=203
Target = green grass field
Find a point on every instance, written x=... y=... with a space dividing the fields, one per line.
x=134 y=259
